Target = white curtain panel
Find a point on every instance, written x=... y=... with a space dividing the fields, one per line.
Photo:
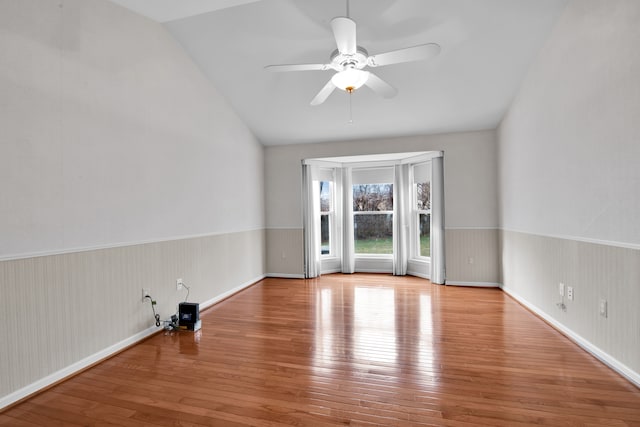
x=348 y=256
x=339 y=202
x=311 y=212
x=401 y=209
x=438 y=273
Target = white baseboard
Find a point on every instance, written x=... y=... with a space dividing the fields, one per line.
x=286 y=275
x=374 y=270
x=331 y=271
x=225 y=295
x=604 y=357
x=422 y=275
x=74 y=368
x=103 y=354
x=475 y=284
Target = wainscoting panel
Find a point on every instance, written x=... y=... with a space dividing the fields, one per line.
x=285 y=252
x=472 y=256
x=60 y=309
x=533 y=267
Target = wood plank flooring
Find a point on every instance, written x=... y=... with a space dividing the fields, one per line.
x=354 y=350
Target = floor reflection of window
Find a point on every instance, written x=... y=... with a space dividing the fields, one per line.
x=426 y=354
x=324 y=353
x=374 y=325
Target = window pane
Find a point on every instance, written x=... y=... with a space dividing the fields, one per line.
x=325 y=246
x=425 y=235
x=373 y=234
x=372 y=197
x=423 y=195
x=325 y=196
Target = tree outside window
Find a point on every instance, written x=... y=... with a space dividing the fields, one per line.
x=325 y=217
x=373 y=218
x=423 y=217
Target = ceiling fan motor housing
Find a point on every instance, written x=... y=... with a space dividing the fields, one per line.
x=341 y=61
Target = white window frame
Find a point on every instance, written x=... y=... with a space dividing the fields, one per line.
x=415 y=232
x=370 y=264
x=331 y=214
x=416 y=235
x=382 y=263
x=332 y=262
x=415 y=218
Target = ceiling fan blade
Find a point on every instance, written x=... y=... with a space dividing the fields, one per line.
x=298 y=67
x=415 y=53
x=344 y=31
x=380 y=87
x=323 y=94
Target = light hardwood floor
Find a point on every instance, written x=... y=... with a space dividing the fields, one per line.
x=347 y=350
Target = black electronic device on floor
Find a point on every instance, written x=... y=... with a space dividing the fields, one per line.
x=189 y=316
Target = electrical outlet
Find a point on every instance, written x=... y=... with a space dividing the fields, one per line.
x=603 y=307
x=471 y=260
x=561 y=289
x=145 y=292
x=570 y=293
x=179 y=284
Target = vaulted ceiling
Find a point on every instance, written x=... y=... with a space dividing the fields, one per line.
x=487 y=48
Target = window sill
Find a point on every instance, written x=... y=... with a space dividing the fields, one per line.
x=373 y=256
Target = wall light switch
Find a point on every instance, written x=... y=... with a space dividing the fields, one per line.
x=561 y=289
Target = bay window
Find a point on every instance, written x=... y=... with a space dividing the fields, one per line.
x=375 y=215
x=421 y=211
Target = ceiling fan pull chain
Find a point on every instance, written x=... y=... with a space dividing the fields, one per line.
x=350 y=109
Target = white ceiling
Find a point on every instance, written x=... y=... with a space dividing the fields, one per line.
x=170 y=10
x=487 y=47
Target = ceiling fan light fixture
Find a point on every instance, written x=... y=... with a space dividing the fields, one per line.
x=350 y=79
x=349 y=59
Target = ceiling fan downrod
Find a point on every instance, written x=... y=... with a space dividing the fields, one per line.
x=350 y=107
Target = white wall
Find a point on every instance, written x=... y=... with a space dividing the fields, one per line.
x=110 y=136
x=470 y=165
x=569 y=150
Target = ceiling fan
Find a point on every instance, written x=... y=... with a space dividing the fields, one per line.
x=349 y=61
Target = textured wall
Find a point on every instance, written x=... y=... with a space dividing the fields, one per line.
x=472 y=256
x=60 y=309
x=569 y=178
x=533 y=266
x=284 y=252
x=470 y=188
x=111 y=137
